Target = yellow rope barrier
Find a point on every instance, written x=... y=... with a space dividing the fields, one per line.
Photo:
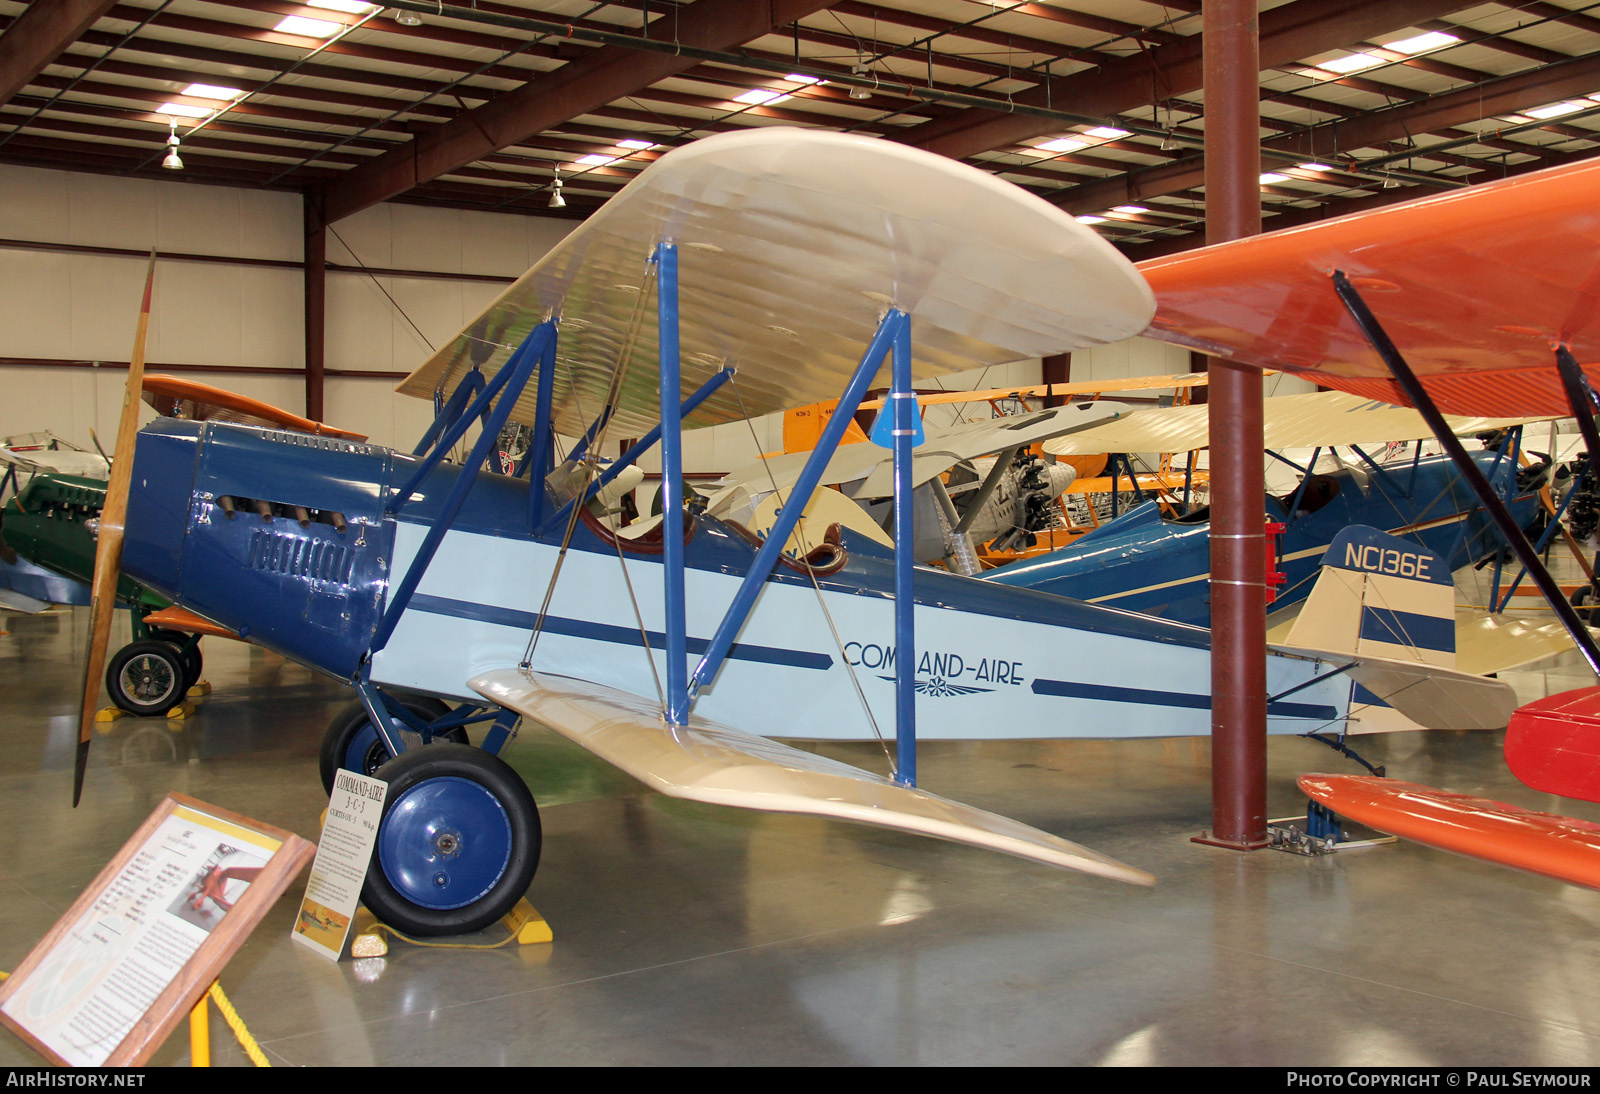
x=247 y=1042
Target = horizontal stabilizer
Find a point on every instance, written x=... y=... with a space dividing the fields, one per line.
x=1431 y=696
x=1485 y=643
x=711 y=763
x=1542 y=843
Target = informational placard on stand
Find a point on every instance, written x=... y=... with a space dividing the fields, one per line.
x=142 y=944
x=354 y=809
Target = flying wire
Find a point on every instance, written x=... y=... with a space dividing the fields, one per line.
x=805 y=547
x=624 y=359
x=374 y=277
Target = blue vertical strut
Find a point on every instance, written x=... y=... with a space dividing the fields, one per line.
x=672 y=560
x=542 y=448
x=539 y=345
x=789 y=515
x=904 y=403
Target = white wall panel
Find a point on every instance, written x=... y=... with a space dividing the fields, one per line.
x=201 y=219
x=359 y=333
x=35 y=204
x=426 y=238
x=104 y=309
x=200 y=307
x=494 y=244
x=436 y=308
x=272 y=313
x=371 y=406
x=35 y=303
x=363 y=239
x=110 y=212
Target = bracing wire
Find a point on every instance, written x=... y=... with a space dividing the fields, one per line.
x=624 y=360
x=816 y=586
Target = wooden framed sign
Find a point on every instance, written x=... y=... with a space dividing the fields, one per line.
x=139 y=947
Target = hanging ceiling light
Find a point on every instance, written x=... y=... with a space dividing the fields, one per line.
x=556 y=200
x=172 y=162
x=860 y=69
x=407 y=18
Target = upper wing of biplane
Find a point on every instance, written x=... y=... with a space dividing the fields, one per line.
x=794 y=251
x=1474 y=287
x=1317 y=419
x=792 y=244
x=173 y=397
x=45 y=452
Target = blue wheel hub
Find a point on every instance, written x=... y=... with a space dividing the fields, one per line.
x=365 y=748
x=445 y=843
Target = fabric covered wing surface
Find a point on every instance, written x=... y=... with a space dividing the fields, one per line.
x=1311 y=420
x=1474 y=287
x=711 y=763
x=1542 y=843
x=791 y=245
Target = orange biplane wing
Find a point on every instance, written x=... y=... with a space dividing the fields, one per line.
x=1475 y=287
x=173 y=397
x=1477 y=290
x=1541 y=843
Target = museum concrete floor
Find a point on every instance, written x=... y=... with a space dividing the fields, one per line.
x=688 y=934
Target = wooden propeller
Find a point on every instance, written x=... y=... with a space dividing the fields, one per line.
x=108 y=541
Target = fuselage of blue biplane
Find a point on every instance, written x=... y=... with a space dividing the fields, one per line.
x=991 y=661
x=1145 y=563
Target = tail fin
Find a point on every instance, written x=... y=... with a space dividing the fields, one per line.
x=1389 y=606
x=1380 y=596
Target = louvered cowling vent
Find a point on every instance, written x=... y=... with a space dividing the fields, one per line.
x=311 y=440
x=300 y=556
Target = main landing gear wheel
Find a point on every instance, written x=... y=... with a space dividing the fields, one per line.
x=147 y=678
x=1581 y=597
x=192 y=661
x=352 y=742
x=458 y=843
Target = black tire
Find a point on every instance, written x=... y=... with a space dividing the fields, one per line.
x=147 y=678
x=1580 y=602
x=193 y=663
x=351 y=741
x=458 y=844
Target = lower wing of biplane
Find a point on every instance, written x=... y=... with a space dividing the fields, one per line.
x=706 y=762
x=1480 y=301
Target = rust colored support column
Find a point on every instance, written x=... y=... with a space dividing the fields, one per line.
x=1199 y=362
x=1238 y=584
x=1055 y=369
x=316 y=305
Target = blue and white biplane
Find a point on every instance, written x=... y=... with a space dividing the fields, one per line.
x=739 y=275
x=1146 y=561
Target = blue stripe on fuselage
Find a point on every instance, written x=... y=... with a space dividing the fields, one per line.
x=603 y=632
x=1104 y=693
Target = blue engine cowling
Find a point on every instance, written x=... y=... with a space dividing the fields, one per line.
x=279 y=536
